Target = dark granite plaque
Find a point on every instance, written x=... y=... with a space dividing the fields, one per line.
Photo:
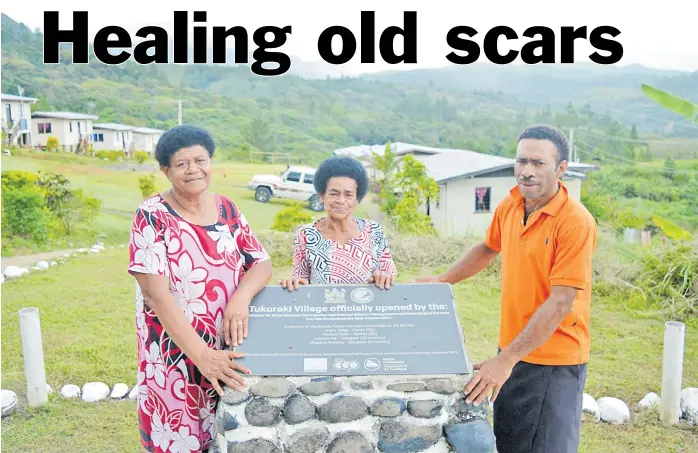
x=350 y=330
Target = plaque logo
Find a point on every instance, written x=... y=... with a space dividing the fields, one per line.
x=335 y=296
x=372 y=364
x=341 y=364
x=361 y=295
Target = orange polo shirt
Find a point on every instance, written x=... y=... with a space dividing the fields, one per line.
x=555 y=247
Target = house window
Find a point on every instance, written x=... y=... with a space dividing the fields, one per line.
x=71 y=126
x=482 y=199
x=97 y=137
x=44 y=128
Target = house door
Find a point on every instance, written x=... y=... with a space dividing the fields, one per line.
x=79 y=131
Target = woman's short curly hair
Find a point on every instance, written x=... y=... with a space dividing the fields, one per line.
x=179 y=137
x=341 y=166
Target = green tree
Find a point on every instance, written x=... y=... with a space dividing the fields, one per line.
x=415 y=187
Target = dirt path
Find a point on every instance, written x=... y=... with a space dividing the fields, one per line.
x=29 y=261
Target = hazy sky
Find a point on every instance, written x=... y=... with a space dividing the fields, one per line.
x=666 y=40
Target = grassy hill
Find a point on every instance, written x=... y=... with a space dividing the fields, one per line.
x=610 y=90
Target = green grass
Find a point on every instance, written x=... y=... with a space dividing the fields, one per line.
x=120 y=194
x=87 y=320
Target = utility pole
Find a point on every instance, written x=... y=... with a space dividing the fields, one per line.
x=179 y=112
x=575 y=155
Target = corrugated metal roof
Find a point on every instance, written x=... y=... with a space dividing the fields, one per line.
x=462 y=164
x=113 y=126
x=14 y=97
x=446 y=163
x=64 y=115
x=147 y=130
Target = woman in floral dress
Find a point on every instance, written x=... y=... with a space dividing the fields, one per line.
x=341 y=248
x=197 y=265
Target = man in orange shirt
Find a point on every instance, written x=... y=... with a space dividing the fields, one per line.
x=547 y=240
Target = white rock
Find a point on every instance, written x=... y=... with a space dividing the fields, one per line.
x=98 y=246
x=52 y=263
x=42 y=265
x=650 y=401
x=613 y=410
x=590 y=410
x=9 y=402
x=119 y=391
x=14 y=271
x=49 y=389
x=134 y=393
x=94 y=391
x=82 y=250
x=95 y=250
x=689 y=404
x=70 y=391
x=100 y=243
x=67 y=255
x=121 y=246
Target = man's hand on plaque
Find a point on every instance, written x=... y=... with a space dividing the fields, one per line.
x=217 y=365
x=293 y=283
x=382 y=280
x=235 y=320
x=491 y=375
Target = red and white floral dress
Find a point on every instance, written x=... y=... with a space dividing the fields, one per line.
x=324 y=261
x=204 y=264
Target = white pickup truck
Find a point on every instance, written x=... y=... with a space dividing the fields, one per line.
x=295 y=183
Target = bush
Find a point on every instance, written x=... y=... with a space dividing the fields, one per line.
x=112 y=155
x=24 y=214
x=140 y=156
x=18 y=180
x=290 y=218
x=147 y=185
x=52 y=143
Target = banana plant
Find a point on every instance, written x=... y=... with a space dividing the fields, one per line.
x=685 y=108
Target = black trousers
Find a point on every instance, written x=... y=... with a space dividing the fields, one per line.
x=539 y=409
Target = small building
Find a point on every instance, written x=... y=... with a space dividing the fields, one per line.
x=145 y=139
x=472 y=184
x=72 y=130
x=112 y=137
x=17 y=119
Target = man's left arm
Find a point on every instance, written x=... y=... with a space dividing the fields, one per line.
x=571 y=272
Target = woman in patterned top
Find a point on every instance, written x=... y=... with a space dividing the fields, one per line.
x=341 y=248
x=197 y=265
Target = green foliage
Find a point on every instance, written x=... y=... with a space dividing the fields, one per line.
x=23 y=214
x=18 y=180
x=290 y=218
x=683 y=107
x=112 y=155
x=672 y=230
x=69 y=207
x=52 y=143
x=147 y=186
x=414 y=187
x=140 y=156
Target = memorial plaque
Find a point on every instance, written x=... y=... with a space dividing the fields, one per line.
x=350 y=330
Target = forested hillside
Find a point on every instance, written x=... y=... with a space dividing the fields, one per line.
x=309 y=118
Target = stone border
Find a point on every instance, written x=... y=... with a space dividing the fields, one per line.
x=362 y=414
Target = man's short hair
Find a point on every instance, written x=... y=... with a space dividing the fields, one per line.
x=548 y=132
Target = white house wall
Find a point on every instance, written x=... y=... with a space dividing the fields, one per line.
x=456 y=212
x=60 y=129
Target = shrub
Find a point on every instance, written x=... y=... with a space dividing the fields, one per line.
x=112 y=155
x=18 y=180
x=147 y=185
x=68 y=206
x=52 y=143
x=140 y=156
x=23 y=214
x=290 y=218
